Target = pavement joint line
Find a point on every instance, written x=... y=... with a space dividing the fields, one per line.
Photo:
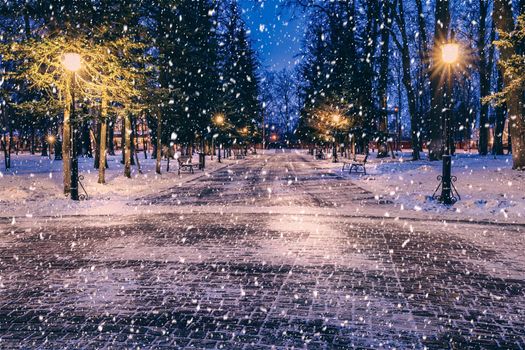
x=196 y=210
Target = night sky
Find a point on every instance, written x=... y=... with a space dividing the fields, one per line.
x=275 y=34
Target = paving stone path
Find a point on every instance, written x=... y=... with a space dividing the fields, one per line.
x=225 y=271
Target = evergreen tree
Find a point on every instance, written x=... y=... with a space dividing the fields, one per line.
x=240 y=81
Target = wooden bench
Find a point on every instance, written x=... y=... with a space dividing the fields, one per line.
x=185 y=164
x=359 y=161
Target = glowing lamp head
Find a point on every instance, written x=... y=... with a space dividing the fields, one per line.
x=336 y=118
x=219 y=119
x=71 y=61
x=51 y=139
x=450 y=53
x=245 y=130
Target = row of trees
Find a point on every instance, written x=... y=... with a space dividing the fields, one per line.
x=174 y=64
x=365 y=57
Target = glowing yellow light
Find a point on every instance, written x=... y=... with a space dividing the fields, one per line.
x=336 y=118
x=219 y=119
x=51 y=139
x=245 y=130
x=71 y=61
x=450 y=53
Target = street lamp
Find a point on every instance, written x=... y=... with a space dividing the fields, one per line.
x=72 y=63
x=51 y=141
x=449 y=56
x=450 y=53
x=336 y=119
x=244 y=132
x=219 y=121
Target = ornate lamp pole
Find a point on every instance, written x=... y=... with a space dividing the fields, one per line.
x=219 y=121
x=336 y=119
x=72 y=63
x=449 y=56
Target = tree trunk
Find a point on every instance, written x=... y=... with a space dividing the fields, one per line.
x=423 y=97
x=407 y=81
x=111 y=136
x=437 y=103
x=151 y=122
x=6 y=152
x=144 y=142
x=383 y=72
x=134 y=146
x=32 y=140
x=504 y=21
x=6 y=144
x=499 y=129
x=123 y=141
x=484 y=78
x=87 y=151
x=132 y=138
x=43 y=142
x=102 y=165
x=102 y=140
x=96 y=136
x=159 y=145
x=126 y=150
x=66 y=144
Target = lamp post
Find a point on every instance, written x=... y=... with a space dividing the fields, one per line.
x=244 y=132
x=72 y=63
x=51 y=141
x=336 y=119
x=449 y=55
x=219 y=121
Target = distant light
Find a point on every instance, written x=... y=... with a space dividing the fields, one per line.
x=219 y=119
x=51 y=139
x=71 y=61
x=450 y=53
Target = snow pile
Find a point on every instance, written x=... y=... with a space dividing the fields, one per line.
x=489 y=188
x=34 y=184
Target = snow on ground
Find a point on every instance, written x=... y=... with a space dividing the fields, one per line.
x=33 y=185
x=489 y=188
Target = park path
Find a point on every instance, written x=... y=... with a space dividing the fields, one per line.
x=250 y=258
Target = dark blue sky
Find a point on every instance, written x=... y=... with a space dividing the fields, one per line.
x=275 y=35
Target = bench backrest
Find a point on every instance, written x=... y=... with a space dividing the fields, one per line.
x=361 y=158
x=184 y=160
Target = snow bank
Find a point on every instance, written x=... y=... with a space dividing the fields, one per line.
x=33 y=185
x=489 y=188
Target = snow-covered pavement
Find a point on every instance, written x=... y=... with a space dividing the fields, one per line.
x=275 y=250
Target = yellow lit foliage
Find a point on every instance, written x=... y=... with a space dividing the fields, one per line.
x=104 y=70
x=329 y=119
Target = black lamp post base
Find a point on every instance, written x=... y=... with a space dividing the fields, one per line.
x=449 y=193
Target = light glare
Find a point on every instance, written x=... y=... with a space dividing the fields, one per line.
x=450 y=53
x=71 y=61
